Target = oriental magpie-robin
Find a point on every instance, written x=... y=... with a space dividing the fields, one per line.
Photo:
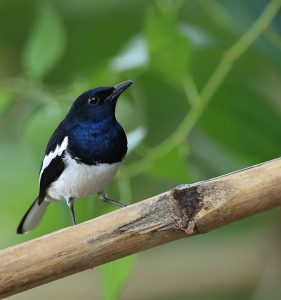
x=82 y=155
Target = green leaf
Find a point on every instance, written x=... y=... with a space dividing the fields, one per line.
x=169 y=49
x=5 y=100
x=45 y=44
x=134 y=55
x=172 y=166
x=37 y=132
x=114 y=276
x=135 y=137
x=243 y=123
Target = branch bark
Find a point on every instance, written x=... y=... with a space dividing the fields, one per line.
x=183 y=211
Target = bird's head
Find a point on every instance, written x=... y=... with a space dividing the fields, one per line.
x=98 y=103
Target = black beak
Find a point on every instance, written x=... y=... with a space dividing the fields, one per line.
x=119 y=89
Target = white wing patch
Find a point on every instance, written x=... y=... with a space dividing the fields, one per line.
x=57 y=152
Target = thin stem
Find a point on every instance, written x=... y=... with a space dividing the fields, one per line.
x=190 y=89
x=125 y=190
x=238 y=49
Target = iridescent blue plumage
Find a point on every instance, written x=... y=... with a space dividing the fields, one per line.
x=103 y=141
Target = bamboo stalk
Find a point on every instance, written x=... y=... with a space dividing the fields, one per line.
x=183 y=211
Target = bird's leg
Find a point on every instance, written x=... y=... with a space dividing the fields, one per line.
x=105 y=198
x=69 y=202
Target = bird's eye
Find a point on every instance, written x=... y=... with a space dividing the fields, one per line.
x=93 y=100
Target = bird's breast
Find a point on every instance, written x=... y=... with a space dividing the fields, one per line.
x=79 y=180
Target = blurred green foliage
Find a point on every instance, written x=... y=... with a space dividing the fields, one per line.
x=38 y=57
x=114 y=276
x=206 y=98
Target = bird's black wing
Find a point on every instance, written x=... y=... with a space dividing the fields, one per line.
x=49 y=175
x=53 y=164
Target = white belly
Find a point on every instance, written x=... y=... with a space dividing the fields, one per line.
x=79 y=180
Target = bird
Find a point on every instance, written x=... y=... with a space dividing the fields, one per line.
x=82 y=155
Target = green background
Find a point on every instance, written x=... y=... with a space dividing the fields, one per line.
x=206 y=101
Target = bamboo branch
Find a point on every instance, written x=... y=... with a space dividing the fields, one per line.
x=183 y=211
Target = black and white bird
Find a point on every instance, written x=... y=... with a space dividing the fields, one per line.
x=83 y=154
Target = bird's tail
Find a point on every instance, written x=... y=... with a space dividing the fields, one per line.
x=32 y=217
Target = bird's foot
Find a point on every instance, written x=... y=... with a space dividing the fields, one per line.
x=105 y=198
